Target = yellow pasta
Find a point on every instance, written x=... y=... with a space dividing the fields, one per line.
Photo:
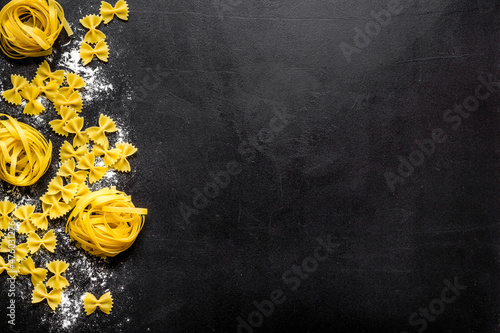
x=38 y=275
x=87 y=53
x=57 y=125
x=25 y=155
x=49 y=90
x=67 y=151
x=108 y=11
x=6 y=208
x=83 y=190
x=67 y=192
x=98 y=134
x=110 y=155
x=54 y=206
x=29 y=28
x=126 y=150
x=11 y=267
x=45 y=73
x=40 y=220
x=23 y=214
x=32 y=107
x=91 y=22
x=75 y=82
x=105 y=222
x=91 y=303
x=13 y=96
x=67 y=170
x=58 y=281
x=48 y=241
x=74 y=101
x=9 y=244
x=95 y=172
x=40 y=294
x=75 y=126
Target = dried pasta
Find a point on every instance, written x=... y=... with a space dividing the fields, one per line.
x=108 y=11
x=20 y=251
x=91 y=22
x=49 y=90
x=87 y=53
x=67 y=151
x=95 y=172
x=75 y=82
x=75 y=126
x=105 y=222
x=38 y=275
x=25 y=154
x=126 y=150
x=23 y=214
x=40 y=294
x=6 y=208
x=67 y=170
x=54 y=206
x=57 y=125
x=11 y=267
x=58 y=281
x=110 y=156
x=13 y=96
x=32 y=107
x=49 y=242
x=45 y=73
x=74 y=101
x=40 y=220
x=67 y=192
x=98 y=134
x=91 y=303
x=29 y=28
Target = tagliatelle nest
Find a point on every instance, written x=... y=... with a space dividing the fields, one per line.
x=29 y=28
x=105 y=222
x=25 y=155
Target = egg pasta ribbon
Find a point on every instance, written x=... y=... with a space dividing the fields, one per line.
x=87 y=53
x=13 y=96
x=40 y=294
x=25 y=155
x=105 y=222
x=104 y=303
x=48 y=241
x=29 y=28
x=27 y=267
x=108 y=11
x=58 y=281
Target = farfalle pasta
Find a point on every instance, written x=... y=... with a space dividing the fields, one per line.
x=13 y=95
x=57 y=125
x=25 y=155
x=126 y=150
x=73 y=101
x=57 y=281
x=91 y=303
x=67 y=192
x=98 y=134
x=68 y=170
x=49 y=242
x=40 y=294
x=110 y=156
x=75 y=82
x=105 y=222
x=45 y=73
x=87 y=53
x=38 y=275
x=68 y=151
x=95 y=172
x=108 y=11
x=91 y=22
x=49 y=89
x=9 y=244
x=6 y=208
x=29 y=28
x=11 y=267
x=54 y=205
x=32 y=107
x=75 y=126
x=40 y=220
x=23 y=214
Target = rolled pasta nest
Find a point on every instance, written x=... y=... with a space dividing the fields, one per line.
x=105 y=222
x=29 y=28
x=25 y=155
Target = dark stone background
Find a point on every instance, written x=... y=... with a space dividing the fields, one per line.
x=209 y=75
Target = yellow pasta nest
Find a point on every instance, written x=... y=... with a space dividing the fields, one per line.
x=105 y=222
x=29 y=28
x=25 y=155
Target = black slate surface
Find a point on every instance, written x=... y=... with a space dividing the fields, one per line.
x=263 y=91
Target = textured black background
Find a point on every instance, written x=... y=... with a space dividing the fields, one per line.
x=207 y=75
